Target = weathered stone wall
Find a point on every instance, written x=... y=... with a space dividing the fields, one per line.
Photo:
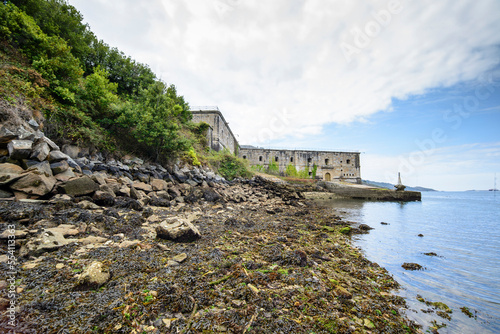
x=331 y=165
x=219 y=135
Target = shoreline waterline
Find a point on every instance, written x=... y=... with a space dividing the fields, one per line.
x=459 y=228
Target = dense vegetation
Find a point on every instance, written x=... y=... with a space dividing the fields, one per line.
x=89 y=92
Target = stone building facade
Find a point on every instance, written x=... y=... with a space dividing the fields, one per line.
x=331 y=165
x=219 y=134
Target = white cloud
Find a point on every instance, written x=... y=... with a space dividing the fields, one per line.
x=254 y=59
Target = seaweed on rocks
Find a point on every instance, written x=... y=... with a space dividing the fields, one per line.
x=263 y=265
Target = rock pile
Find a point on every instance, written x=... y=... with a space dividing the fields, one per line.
x=33 y=167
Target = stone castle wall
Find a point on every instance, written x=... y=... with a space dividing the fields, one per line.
x=331 y=165
x=219 y=134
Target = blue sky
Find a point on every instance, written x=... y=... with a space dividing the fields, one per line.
x=415 y=86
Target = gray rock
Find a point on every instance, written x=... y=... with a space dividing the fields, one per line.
x=142 y=186
x=45 y=242
x=99 y=178
x=180 y=258
x=6 y=135
x=24 y=134
x=34 y=124
x=52 y=145
x=19 y=149
x=104 y=198
x=192 y=183
x=38 y=135
x=34 y=183
x=64 y=229
x=80 y=186
x=109 y=189
x=159 y=185
x=74 y=165
x=59 y=167
x=94 y=276
x=40 y=151
x=66 y=175
x=181 y=231
x=42 y=168
x=55 y=156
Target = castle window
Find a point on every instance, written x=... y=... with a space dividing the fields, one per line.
x=276 y=158
x=244 y=157
x=309 y=159
x=291 y=159
x=348 y=161
x=327 y=161
x=260 y=158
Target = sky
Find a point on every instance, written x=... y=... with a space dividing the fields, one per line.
x=412 y=85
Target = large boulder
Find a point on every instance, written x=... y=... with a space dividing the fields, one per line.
x=180 y=230
x=20 y=149
x=80 y=186
x=34 y=183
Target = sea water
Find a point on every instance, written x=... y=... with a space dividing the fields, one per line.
x=463 y=229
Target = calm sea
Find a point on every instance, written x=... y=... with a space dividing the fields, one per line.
x=463 y=229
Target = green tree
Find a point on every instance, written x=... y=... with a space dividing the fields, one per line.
x=156 y=120
x=50 y=55
x=97 y=97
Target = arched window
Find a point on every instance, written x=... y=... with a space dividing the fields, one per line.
x=327 y=161
x=260 y=158
x=244 y=157
x=276 y=158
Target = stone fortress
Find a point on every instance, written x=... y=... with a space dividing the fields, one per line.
x=331 y=165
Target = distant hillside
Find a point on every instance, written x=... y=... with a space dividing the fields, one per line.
x=391 y=186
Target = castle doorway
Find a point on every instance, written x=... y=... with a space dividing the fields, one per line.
x=328 y=177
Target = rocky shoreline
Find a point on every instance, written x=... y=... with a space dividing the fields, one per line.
x=91 y=245
x=256 y=258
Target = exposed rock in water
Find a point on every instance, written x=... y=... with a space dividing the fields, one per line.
x=411 y=266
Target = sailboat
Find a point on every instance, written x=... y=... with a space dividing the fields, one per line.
x=495 y=184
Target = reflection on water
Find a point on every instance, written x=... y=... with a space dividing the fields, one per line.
x=462 y=229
